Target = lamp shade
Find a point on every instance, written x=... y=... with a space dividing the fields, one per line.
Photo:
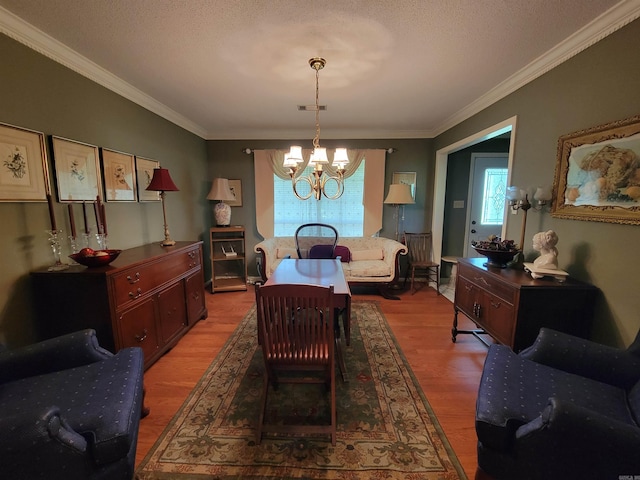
x=220 y=190
x=399 y=194
x=161 y=181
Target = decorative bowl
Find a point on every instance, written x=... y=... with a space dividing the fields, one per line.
x=496 y=258
x=97 y=259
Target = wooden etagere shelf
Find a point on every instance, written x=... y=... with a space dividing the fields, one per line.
x=228 y=262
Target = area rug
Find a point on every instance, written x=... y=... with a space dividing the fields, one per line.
x=386 y=428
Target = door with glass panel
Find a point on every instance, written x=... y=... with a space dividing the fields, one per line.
x=487 y=187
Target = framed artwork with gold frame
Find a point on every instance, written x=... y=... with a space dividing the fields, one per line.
x=77 y=168
x=597 y=174
x=24 y=171
x=119 y=176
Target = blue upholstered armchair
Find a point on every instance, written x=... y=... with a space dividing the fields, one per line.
x=69 y=410
x=565 y=408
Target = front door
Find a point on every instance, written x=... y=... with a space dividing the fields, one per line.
x=487 y=187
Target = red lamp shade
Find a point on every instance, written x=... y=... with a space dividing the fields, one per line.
x=161 y=181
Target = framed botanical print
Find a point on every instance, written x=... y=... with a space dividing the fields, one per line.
x=144 y=174
x=77 y=168
x=24 y=172
x=236 y=188
x=119 y=172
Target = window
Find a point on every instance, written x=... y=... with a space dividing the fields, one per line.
x=493 y=196
x=346 y=213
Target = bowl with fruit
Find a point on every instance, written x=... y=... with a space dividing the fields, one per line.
x=95 y=258
x=498 y=252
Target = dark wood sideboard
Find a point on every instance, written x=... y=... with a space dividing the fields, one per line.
x=148 y=297
x=511 y=306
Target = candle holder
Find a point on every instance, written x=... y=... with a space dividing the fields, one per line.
x=101 y=240
x=54 y=241
x=85 y=240
x=73 y=246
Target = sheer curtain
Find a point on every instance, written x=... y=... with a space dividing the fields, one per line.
x=269 y=162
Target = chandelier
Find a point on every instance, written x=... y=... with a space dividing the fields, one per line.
x=319 y=179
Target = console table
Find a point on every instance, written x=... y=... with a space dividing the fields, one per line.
x=148 y=297
x=511 y=306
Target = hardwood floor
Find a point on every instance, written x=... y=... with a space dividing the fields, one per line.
x=448 y=372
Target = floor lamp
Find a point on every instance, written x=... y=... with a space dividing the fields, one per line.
x=161 y=182
x=399 y=194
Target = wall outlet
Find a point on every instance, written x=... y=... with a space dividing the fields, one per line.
x=458 y=204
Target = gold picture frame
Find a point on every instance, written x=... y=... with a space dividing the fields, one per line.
x=77 y=168
x=597 y=175
x=24 y=171
x=236 y=188
x=119 y=176
x=144 y=174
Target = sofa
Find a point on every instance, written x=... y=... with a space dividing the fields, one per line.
x=70 y=409
x=564 y=408
x=372 y=261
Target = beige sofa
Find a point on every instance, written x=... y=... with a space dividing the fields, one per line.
x=374 y=260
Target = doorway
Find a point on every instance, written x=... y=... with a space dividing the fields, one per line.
x=440 y=180
x=486 y=205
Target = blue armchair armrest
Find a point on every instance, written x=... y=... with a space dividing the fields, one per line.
x=575 y=442
x=61 y=353
x=46 y=438
x=585 y=358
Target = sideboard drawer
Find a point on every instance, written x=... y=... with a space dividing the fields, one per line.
x=489 y=283
x=134 y=283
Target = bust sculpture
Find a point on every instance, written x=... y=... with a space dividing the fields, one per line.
x=545 y=243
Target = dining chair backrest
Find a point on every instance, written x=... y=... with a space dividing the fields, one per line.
x=296 y=324
x=324 y=238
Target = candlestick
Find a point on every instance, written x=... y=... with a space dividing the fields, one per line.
x=52 y=215
x=72 y=221
x=84 y=214
x=104 y=219
x=96 y=211
x=56 y=248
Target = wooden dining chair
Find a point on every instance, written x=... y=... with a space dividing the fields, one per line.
x=296 y=331
x=420 y=247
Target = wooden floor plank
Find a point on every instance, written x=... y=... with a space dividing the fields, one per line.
x=447 y=372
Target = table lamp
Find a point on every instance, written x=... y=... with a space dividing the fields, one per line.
x=161 y=182
x=220 y=191
x=399 y=194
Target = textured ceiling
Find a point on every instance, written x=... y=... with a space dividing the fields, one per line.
x=228 y=69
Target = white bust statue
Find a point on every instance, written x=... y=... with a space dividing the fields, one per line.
x=545 y=243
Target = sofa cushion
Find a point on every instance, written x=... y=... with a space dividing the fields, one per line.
x=369 y=254
x=363 y=269
x=81 y=394
x=514 y=391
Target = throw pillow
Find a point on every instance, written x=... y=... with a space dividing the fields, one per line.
x=343 y=252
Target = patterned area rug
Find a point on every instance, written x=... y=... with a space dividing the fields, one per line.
x=386 y=428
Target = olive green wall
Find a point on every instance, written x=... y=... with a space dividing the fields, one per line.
x=597 y=86
x=40 y=94
x=228 y=160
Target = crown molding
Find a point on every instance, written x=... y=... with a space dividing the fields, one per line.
x=610 y=21
x=25 y=33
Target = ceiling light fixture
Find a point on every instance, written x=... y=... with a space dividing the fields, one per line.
x=319 y=179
